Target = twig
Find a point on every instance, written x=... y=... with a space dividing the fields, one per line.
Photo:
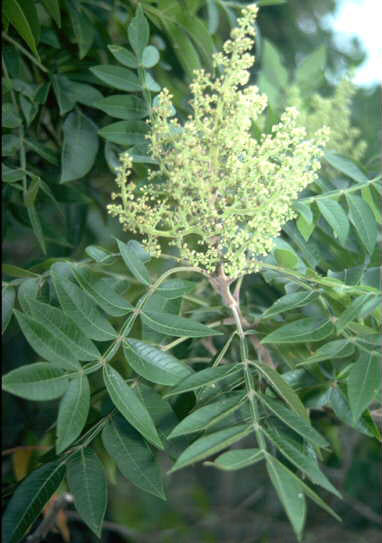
x=50 y=520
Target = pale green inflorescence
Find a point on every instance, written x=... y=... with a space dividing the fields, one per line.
x=335 y=113
x=218 y=194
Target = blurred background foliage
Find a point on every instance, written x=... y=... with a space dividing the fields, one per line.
x=58 y=173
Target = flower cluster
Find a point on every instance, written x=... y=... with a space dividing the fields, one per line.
x=219 y=194
x=335 y=113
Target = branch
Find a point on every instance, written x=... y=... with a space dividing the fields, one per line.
x=50 y=520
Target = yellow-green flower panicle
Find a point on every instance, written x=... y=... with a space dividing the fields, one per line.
x=220 y=195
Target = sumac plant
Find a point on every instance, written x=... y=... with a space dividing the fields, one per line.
x=126 y=335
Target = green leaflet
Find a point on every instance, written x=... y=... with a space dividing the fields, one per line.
x=73 y=412
x=290 y=492
x=150 y=56
x=307 y=490
x=346 y=166
x=237 y=459
x=133 y=456
x=86 y=479
x=129 y=404
x=8 y=297
x=207 y=377
x=134 y=263
x=117 y=77
x=173 y=325
x=175 y=288
x=30 y=498
x=206 y=416
x=334 y=214
x=300 y=459
x=339 y=348
x=130 y=132
x=153 y=364
x=311 y=69
x=298 y=424
x=79 y=306
x=23 y=16
x=353 y=311
x=101 y=290
x=282 y=388
x=138 y=32
x=363 y=221
x=40 y=381
x=64 y=328
x=210 y=444
x=288 y=302
x=301 y=331
x=79 y=133
x=123 y=106
x=124 y=56
x=363 y=382
x=44 y=341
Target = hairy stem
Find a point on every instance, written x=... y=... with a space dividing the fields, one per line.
x=221 y=284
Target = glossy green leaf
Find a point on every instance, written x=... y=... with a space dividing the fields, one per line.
x=289 y=302
x=45 y=342
x=30 y=498
x=290 y=492
x=211 y=444
x=208 y=415
x=123 y=106
x=87 y=482
x=150 y=56
x=336 y=217
x=8 y=297
x=282 y=388
x=173 y=325
x=124 y=132
x=138 y=32
x=153 y=364
x=133 y=456
x=237 y=459
x=301 y=331
x=64 y=329
x=101 y=290
x=363 y=382
x=73 y=412
x=79 y=306
x=298 y=424
x=346 y=166
x=65 y=100
x=128 y=403
x=39 y=381
x=301 y=460
x=352 y=312
x=363 y=220
x=117 y=77
x=29 y=197
x=79 y=133
x=207 y=377
x=134 y=263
